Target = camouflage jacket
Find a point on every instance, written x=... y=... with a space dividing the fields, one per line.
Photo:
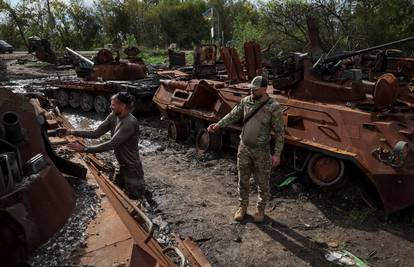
x=257 y=131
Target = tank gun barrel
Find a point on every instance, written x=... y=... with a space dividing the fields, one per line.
x=358 y=52
x=78 y=56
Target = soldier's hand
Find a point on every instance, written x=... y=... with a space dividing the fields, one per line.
x=275 y=161
x=76 y=146
x=212 y=128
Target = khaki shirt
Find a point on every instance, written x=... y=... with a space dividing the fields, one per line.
x=257 y=131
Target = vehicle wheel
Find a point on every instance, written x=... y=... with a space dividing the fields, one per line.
x=206 y=141
x=86 y=102
x=101 y=104
x=62 y=98
x=326 y=171
x=74 y=99
x=178 y=130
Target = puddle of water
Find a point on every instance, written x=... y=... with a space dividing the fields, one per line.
x=25 y=85
x=80 y=121
x=92 y=121
x=146 y=146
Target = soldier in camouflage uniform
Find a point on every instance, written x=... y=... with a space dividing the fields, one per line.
x=254 y=154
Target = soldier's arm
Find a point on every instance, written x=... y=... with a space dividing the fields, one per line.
x=279 y=129
x=124 y=132
x=103 y=128
x=233 y=116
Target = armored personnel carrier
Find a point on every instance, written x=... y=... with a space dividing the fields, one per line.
x=336 y=124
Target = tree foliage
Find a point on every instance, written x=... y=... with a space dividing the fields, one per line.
x=344 y=24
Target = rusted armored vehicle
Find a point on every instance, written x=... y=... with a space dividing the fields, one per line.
x=378 y=62
x=43 y=51
x=335 y=123
x=102 y=78
x=35 y=199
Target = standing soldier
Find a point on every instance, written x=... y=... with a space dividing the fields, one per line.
x=261 y=115
x=124 y=129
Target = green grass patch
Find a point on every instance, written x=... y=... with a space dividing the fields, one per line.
x=154 y=56
x=189 y=57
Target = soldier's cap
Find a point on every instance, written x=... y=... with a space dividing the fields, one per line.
x=258 y=82
x=125 y=97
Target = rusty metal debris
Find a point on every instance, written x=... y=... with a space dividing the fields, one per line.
x=205 y=57
x=28 y=175
x=192 y=252
x=335 y=122
x=145 y=251
x=42 y=49
x=176 y=59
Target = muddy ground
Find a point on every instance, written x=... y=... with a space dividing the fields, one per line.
x=197 y=194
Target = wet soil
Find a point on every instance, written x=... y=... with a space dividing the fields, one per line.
x=196 y=195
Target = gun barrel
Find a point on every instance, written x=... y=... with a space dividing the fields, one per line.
x=76 y=54
x=358 y=52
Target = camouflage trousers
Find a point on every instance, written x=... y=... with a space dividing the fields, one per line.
x=132 y=179
x=256 y=161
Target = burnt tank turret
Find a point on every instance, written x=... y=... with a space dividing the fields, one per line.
x=102 y=77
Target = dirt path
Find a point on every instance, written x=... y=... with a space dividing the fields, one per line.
x=197 y=196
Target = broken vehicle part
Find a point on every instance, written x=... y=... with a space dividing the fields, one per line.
x=27 y=176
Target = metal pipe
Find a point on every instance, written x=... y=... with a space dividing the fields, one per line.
x=12 y=127
x=358 y=52
x=84 y=59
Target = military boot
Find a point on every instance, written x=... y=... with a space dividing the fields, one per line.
x=240 y=213
x=259 y=215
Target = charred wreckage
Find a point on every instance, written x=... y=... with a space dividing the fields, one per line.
x=336 y=123
x=346 y=116
x=36 y=199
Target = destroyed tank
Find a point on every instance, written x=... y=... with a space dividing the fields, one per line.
x=337 y=126
x=102 y=78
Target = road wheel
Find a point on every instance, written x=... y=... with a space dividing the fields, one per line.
x=74 y=99
x=178 y=130
x=206 y=141
x=62 y=98
x=326 y=171
x=86 y=102
x=101 y=104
